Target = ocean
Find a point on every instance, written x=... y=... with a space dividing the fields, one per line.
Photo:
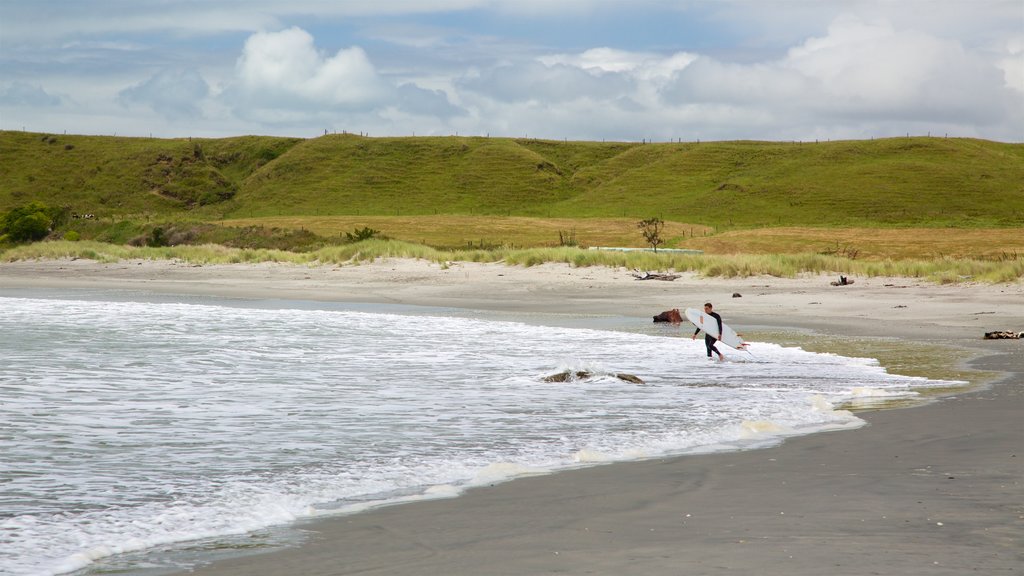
x=130 y=425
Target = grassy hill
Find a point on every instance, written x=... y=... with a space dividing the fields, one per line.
x=895 y=182
x=890 y=182
x=112 y=176
x=849 y=197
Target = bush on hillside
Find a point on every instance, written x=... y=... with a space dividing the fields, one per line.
x=157 y=238
x=31 y=222
x=357 y=235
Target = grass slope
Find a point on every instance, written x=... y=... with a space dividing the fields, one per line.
x=112 y=176
x=392 y=176
x=895 y=182
x=898 y=182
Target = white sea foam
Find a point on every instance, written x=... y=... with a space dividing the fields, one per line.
x=129 y=425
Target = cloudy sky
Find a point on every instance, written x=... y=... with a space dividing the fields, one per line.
x=577 y=69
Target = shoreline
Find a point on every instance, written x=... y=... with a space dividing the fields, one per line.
x=934 y=489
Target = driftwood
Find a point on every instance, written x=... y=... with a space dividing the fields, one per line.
x=843 y=281
x=672 y=316
x=1003 y=335
x=648 y=276
x=568 y=376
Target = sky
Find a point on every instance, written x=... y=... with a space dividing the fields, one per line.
x=616 y=70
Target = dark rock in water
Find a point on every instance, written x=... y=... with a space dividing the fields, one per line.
x=1003 y=335
x=569 y=375
x=672 y=316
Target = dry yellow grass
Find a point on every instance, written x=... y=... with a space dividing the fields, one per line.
x=871 y=243
x=460 y=231
x=448 y=231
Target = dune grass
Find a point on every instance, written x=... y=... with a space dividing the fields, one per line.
x=943 y=270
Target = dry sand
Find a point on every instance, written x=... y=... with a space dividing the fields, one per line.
x=932 y=490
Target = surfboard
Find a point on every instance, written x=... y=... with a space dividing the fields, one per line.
x=709 y=325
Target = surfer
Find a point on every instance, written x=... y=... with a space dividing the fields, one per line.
x=710 y=340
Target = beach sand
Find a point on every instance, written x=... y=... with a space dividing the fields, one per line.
x=931 y=490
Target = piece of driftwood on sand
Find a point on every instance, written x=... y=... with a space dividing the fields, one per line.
x=649 y=276
x=1004 y=335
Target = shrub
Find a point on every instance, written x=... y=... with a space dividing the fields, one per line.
x=72 y=236
x=358 y=235
x=157 y=238
x=29 y=228
x=28 y=223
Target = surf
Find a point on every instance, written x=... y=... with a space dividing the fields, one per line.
x=216 y=418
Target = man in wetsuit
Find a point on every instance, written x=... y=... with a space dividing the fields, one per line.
x=710 y=340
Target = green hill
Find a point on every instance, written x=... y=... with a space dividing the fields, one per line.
x=900 y=182
x=112 y=176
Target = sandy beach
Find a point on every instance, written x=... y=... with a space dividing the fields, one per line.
x=931 y=490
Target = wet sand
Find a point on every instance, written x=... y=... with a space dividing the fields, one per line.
x=931 y=490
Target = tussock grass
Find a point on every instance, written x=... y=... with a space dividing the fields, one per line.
x=369 y=250
x=103 y=252
x=942 y=270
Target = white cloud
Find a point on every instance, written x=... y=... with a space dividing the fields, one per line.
x=860 y=78
x=858 y=72
x=281 y=78
x=285 y=67
x=861 y=66
x=25 y=94
x=589 y=69
x=1012 y=64
x=708 y=81
x=175 y=94
x=101 y=17
x=644 y=65
x=538 y=82
x=100 y=45
x=616 y=78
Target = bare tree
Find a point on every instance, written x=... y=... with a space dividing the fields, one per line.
x=651 y=229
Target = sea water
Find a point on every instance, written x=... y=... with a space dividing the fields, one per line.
x=127 y=425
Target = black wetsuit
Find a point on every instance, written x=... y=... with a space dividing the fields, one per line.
x=710 y=340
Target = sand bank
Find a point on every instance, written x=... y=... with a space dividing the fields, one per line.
x=937 y=489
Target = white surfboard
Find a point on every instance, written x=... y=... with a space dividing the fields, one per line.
x=709 y=325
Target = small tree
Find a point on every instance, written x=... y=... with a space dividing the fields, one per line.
x=651 y=229
x=358 y=235
x=27 y=223
x=29 y=228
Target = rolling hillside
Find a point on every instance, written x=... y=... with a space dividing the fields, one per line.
x=898 y=182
